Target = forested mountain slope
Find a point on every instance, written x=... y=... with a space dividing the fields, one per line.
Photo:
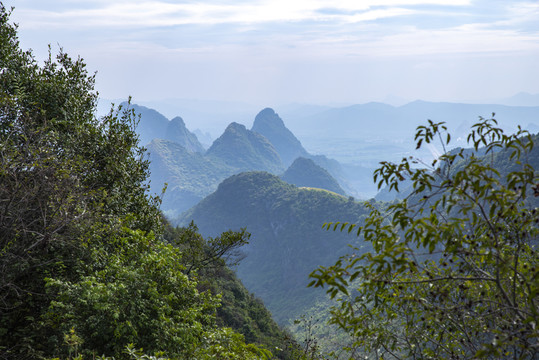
x=189 y=176
x=287 y=240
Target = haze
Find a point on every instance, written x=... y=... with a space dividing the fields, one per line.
x=307 y=51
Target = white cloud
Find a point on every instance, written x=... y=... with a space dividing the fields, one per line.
x=158 y=13
x=329 y=28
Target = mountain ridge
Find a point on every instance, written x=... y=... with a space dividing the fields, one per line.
x=245 y=150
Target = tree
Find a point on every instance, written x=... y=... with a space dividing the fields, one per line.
x=453 y=272
x=200 y=253
x=83 y=266
x=135 y=292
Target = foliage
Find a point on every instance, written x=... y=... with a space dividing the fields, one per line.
x=454 y=269
x=133 y=292
x=201 y=253
x=207 y=260
x=62 y=172
x=83 y=268
x=318 y=337
x=246 y=314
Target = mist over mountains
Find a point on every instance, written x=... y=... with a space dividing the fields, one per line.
x=348 y=142
x=368 y=133
x=179 y=160
x=264 y=179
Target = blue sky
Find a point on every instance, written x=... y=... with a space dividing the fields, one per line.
x=269 y=52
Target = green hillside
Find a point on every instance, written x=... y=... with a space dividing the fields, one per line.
x=240 y=310
x=287 y=241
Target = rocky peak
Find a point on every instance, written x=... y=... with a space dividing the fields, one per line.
x=269 y=124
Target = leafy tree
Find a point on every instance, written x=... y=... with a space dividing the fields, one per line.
x=127 y=298
x=454 y=271
x=66 y=179
x=200 y=253
x=83 y=268
x=138 y=293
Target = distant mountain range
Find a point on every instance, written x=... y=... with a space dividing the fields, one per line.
x=285 y=220
x=191 y=172
x=245 y=150
x=153 y=125
x=382 y=120
x=359 y=136
x=363 y=135
x=520 y=99
x=189 y=176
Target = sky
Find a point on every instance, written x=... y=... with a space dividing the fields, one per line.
x=269 y=52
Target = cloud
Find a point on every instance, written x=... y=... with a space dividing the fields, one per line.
x=323 y=28
x=161 y=13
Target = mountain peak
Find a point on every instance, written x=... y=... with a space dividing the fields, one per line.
x=178 y=120
x=245 y=150
x=234 y=126
x=177 y=131
x=268 y=115
x=269 y=124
